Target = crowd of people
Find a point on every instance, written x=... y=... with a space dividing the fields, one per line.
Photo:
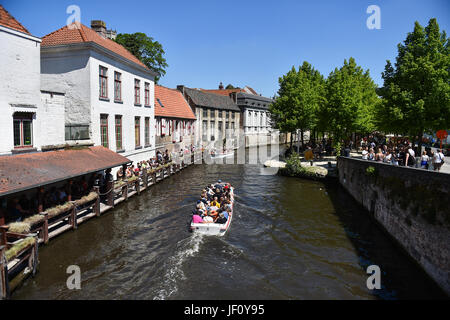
x=401 y=153
x=18 y=208
x=215 y=204
x=161 y=158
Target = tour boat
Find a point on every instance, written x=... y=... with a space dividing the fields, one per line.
x=215 y=229
x=220 y=155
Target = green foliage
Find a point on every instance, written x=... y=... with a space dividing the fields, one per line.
x=416 y=92
x=350 y=102
x=299 y=97
x=294 y=165
x=230 y=86
x=148 y=51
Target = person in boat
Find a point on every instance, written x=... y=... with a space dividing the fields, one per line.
x=215 y=203
x=221 y=219
x=208 y=219
x=218 y=184
x=218 y=193
x=196 y=218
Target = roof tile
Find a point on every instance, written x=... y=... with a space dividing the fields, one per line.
x=79 y=33
x=175 y=106
x=7 y=20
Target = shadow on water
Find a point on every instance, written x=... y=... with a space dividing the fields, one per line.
x=401 y=277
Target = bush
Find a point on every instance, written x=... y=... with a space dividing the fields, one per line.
x=293 y=165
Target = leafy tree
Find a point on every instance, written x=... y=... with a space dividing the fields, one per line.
x=300 y=94
x=351 y=100
x=283 y=108
x=148 y=51
x=416 y=92
x=230 y=86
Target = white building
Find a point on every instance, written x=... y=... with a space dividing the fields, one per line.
x=175 y=120
x=109 y=92
x=26 y=113
x=255 y=120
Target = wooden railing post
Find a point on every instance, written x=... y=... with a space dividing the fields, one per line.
x=33 y=259
x=45 y=227
x=154 y=177
x=73 y=218
x=4 y=285
x=3 y=240
x=137 y=185
x=145 y=178
x=97 y=201
x=125 y=191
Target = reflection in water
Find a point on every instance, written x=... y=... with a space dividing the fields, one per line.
x=290 y=239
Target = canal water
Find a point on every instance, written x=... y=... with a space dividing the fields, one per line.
x=289 y=239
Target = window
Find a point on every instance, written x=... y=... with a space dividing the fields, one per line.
x=117 y=86
x=232 y=126
x=220 y=113
x=103 y=82
x=23 y=129
x=213 y=114
x=147 y=94
x=147 y=131
x=205 y=130
x=160 y=103
x=212 y=130
x=137 y=131
x=205 y=113
x=227 y=114
x=119 y=145
x=77 y=132
x=220 y=128
x=104 y=130
x=137 y=91
x=232 y=114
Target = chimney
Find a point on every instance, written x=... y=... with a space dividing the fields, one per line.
x=99 y=26
x=220 y=86
x=180 y=87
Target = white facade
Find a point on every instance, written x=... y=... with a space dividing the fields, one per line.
x=75 y=70
x=20 y=96
x=256 y=121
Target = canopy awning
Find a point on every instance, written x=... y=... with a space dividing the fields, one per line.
x=32 y=170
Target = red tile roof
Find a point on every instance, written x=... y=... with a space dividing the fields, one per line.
x=31 y=170
x=79 y=33
x=175 y=106
x=7 y=20
x=223 y=92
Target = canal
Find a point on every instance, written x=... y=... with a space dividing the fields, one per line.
x=290 y=239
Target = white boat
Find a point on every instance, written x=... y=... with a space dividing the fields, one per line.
x=220 y=155
x=215 y=229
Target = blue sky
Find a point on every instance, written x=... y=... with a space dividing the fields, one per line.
x=248 y=42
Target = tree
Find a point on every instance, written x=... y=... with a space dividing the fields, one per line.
x=351 y=100
x=148 y=51
x=300 y=94
x=230 y=86
x=416 y=92
x=282 y=109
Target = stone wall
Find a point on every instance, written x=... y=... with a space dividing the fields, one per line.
x=411 y=204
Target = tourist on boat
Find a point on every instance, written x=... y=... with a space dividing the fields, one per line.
x=221 y=219
x=215 y=202
x=196 y=218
